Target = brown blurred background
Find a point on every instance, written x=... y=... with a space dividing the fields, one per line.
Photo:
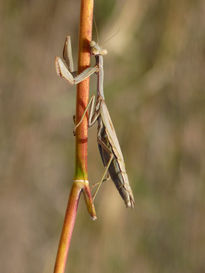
x=154 y=87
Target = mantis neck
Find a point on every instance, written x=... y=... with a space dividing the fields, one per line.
x=99 y=62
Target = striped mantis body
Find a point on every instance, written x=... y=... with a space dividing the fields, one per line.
x=108 y=143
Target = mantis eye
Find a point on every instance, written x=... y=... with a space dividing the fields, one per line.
x=92 y=43
x=104 y=51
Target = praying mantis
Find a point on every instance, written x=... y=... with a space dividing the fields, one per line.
x=108 y=143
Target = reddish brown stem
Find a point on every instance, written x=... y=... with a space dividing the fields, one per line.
x=85 y=36
x=80 y=179
x=68 y=226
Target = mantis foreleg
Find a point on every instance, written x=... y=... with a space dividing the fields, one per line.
x=67 y=72
x=63 y=72
x=67 y=54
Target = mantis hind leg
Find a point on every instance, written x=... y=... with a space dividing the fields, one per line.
x=104 y=147
x=103 y=179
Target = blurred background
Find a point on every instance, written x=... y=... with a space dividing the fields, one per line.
x=154 y=87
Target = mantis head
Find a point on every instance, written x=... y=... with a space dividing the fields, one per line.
x=96 y=49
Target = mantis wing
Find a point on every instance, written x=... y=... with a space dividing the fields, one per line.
x=117 y=169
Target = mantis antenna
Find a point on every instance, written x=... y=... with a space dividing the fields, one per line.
x=96 y=29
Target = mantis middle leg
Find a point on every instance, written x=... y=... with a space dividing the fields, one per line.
x=93 y=114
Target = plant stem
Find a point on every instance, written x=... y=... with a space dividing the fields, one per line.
x=80 y=182
x=68 y=226
x=85 y=36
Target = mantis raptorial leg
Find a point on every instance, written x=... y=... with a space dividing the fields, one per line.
x=67 y=72
x=63 y=72
x=67 y=54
